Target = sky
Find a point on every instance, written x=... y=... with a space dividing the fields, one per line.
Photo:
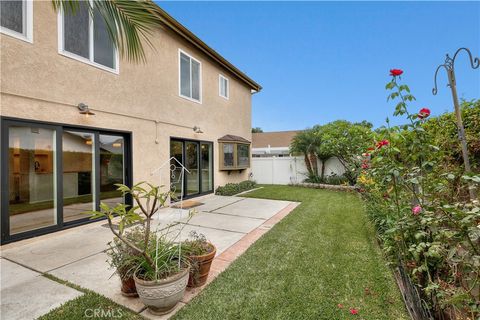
x=322 y=61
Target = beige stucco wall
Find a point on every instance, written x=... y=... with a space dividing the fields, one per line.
x=39 y=83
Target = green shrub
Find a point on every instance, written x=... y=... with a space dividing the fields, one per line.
x=231 y=189
x=333 y=179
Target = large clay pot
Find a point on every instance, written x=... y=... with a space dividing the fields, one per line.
x=161 y=296
x=200 y=267
x=128 y=287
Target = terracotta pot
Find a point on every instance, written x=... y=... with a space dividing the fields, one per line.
x=200 y=267
x=128 y=287
x=161 y=296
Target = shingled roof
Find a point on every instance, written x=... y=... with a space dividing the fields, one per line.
x=232 y=138
x=276 y=139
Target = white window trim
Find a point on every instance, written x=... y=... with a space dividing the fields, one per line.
x=61 y=48
x=27 y=20
x=180 y=51
x=220 y=77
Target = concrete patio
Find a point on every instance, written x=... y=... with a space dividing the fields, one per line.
x=77 y=255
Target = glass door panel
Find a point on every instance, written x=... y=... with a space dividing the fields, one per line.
x=191 y=163
x=78 y=174
x=207 y=166
x=31 y=178
x=176 y=151
x=112 y=168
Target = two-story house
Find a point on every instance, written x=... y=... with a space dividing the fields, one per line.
x=76 y=119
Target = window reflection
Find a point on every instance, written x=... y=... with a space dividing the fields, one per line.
x=112 y=168
x=31 y=178
x=78 y=174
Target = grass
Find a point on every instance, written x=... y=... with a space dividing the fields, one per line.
x=321 y=255
x=88 y=305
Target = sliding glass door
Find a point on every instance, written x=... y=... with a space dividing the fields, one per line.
x=51 y=174
x=197 y=158
x=78 y=174
x=32 y=183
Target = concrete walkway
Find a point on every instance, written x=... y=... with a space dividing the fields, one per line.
x=77 y=255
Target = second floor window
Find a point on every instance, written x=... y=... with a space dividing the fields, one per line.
x=223 y=86
x=16 y=18
x=190 y=78
x=86 y=37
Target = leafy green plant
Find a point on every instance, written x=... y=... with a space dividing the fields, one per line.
x=231 y=189
x=197 y=244
x=156 y=255
x=416 y=193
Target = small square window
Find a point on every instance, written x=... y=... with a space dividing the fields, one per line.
x=223 y=86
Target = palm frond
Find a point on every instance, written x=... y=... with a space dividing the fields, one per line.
x=129 y=23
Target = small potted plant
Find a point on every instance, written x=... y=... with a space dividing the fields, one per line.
x=124 y=259
x=161 y=268
x=200 y=254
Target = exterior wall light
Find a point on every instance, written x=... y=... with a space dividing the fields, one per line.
x=84 y=109
x=197 y=129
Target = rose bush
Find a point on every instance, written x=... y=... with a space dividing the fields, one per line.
x=416 y=194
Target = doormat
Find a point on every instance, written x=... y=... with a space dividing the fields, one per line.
x=188 y=204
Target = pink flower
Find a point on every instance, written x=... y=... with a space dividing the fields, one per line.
x=340 y=306
x=353 y=311
x=416 y=210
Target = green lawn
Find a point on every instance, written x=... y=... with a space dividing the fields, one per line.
x=321 y=255
x=90 y=305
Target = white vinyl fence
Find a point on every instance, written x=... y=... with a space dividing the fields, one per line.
x=286 y=170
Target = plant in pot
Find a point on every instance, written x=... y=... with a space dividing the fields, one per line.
x=161 y=268
x=200 y=253
x=124 y=259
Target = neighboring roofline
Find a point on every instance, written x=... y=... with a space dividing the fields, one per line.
x=182 y=31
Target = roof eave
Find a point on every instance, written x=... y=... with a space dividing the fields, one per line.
x=178 y=28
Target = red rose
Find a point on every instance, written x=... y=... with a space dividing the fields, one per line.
x=424 y=113
x=395 y=72
x=382 y=143
x=353 y=311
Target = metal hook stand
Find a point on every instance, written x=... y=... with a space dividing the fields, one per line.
x=173 y=166
x=449 y=66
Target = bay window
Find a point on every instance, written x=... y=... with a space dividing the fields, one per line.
x=234 y=153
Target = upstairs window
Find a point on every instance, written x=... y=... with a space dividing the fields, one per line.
x=190 y=77
x=16 y=19
x=223 y=86
x=86 y=38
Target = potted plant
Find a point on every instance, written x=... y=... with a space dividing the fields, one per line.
x=161 y=268
x=123 y=259
x=200 y=254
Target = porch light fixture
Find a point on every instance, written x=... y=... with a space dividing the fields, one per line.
x=197 y=129
x=84 y=109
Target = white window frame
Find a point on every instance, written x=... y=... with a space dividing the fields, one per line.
x=220 y=78
x=27 y=20
x=90 y=61
x=200 y=82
